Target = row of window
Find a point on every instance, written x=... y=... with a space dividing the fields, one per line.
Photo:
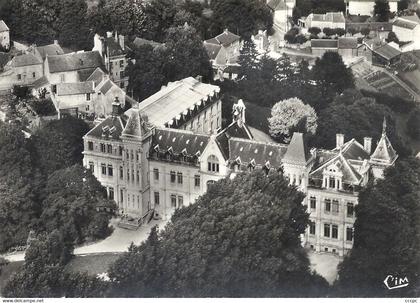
x=332 y=206
x=331 y=231
x=121 y=62
x=176 y=177
x=177 y=201
x=19 y=76
x=107 y=148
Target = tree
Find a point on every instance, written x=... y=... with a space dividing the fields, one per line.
x=413 y=124
x=387 y=227
x=328 y=31
x=74 y=203
x=365 y=31
x=290 y=115
x=314 y=31
x=352 y=31
x=125 y=16
x=332 y=75
x=290 y=36
x=240 y=239
x=19 y=180
x=241 y=17
x=300 y=39
x=248 y=60
x=392 y=37
x=59 y=143
x=381 y=10
x=340 y=32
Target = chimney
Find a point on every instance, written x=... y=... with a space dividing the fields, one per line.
x=115 y=107
x=199 y=78
x=367 y=144
x=109 y=34
x=239 y=112
x=339 y=140
x=116 y=37
x=56 y=42
x=121 y=39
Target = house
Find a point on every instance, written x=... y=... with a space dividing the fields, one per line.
x=282 y=11
x=113 y=50
x=223 y=51
x=261 y=41
x=24 y=69
x=4 y=36
x=347 y=47
x=106 y=93
x=365 y=7
x=407 y=28
x=72 y=67
x=77 y=97
x=148 y=168
x=379 y=52
x=320 y=46
x=327 y=20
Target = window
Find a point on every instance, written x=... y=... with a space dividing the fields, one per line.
x=180 y=201
x=137 y=176
x=128 y=174
x=157 y=198
x=121 y=74
x=111 y=193
x=173 y=201
x=121 y=173
x=19 y=76
x=180 y=179
x=313 y=202
x=92 y=167
x=120 y=150
x=326 y=230
x=102 y=147
x=335 y=231
x=109 y=148
x=197 y=180
x=327 y=205
x=103 y=167
x=122 y=84
x=350 y=210
x=110 y=171
x=121 y=195
x=121 y=63
x=312 y=228
x=156 y=174
x=88 y=97
x=335 y=206
x=110 y=64
x=173 y=177
x=90 y=145
x=349 y=234
x=33 y=75
x=62 y=78
x=213 y=164
x=332 y=182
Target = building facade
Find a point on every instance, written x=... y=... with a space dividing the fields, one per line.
x=365 y=7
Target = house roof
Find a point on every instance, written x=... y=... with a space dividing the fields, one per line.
x=65 y=89
x=259 y=152
x=384 y=152
x=97 y=76
x=386 y=51
x=334 y=17
x=212 y=49
x=25 y=60
x=297 y=150
x=347 y=42
x=175 y=99
x=107 y=86
x=137 y=125
x=41 y=82
x=404 y=24
x=138 y=42
x=179 y=141
x=276 y=5
x=74 y=62
x=114 y=47
x=3 y=26
x=324 y=43
x=226 y=38
x=234 y=130
x=50 y=50
x=110 y=128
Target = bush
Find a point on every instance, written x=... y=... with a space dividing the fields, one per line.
x=314 y=31
x=365 y=31
x=290 y=36
x=43 y=107
x=340 y=32
x=397 y=104
x=300 y=39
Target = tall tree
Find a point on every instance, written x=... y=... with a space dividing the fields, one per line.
x=248 y=59
x=382 y=10
x=387 y=236
x=241 y=239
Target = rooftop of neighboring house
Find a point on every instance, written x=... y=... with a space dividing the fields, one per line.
x=212 y=50
x=74 y=62
x=114 y=45
x=408 y=22
x=25 y=60
x=225 y=39
x=387 y=51
x=277 y=5
x=97 y=76
x=109 y=128
x=66 y=89
x=41 y=82
x=235 y=130
x=3 y=26
x=107 y=85
x=334 y=17
x=176 y=99
x=324 y=43
x=347 y=42
x=138 y=42
x=49 y=50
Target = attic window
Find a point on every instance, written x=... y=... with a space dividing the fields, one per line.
x=174 y=139
x=184 y=152
x=160 y=137
x=198 y=153
x=238 y=161
x=105 y=128
x=156 y=148
x=112 y=129
x=267 y=164
x=256 y=151
x=201 y=143
x=270 y=153
x=241 y=149
x=170 y=150
x=188 y=141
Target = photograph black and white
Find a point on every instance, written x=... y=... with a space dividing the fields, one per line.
x=158 y=149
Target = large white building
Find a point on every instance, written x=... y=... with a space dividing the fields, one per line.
x=365 y=7
x=407 y=29
x=4 y=35
x=158 y=157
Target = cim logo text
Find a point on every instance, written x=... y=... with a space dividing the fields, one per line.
x=393 y=282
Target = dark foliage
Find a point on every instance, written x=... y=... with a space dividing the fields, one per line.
x=413 y=124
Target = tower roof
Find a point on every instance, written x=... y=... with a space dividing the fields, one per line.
x=136 y=125
x=297 y=151
x=384 y=152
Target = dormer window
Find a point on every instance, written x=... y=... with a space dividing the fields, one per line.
x=213 y=164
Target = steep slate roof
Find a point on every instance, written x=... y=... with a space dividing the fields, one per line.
x=276 y=5
x=324 y=43
x=232 y=131
x=97 y=76
x=74 y=62
x=114 y=47
x=110 y=128
x=353 y=150
x=50 y=50
x=347 y=42
x=174 y=99
x=136 y=125
x=409 y=22
x=384 y=152
x=43 y=81
x=3 y=26
x=226 y=38
x=107 y=86
x=25 y=60
x=386 y=51
x=261 y=152
x=65 y=89
x=138 y=42
x=179 y=140
x=212 y=50
x=297 y=150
